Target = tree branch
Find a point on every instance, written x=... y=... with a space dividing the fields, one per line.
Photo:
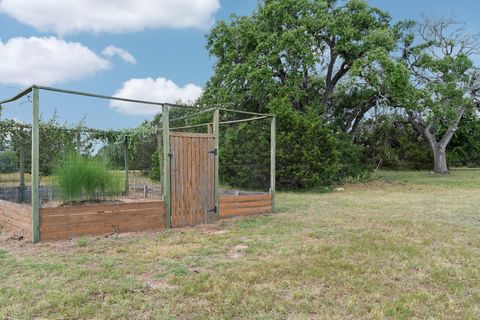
x=453 y=127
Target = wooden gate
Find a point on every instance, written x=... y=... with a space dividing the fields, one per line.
x=192 y=178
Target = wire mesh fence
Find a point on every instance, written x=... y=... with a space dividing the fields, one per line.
x=62 y=160
x=245 y=154
x=15 y=151
x=244 y=148
x=80 y=159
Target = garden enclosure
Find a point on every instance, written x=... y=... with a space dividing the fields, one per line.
x=59 y=181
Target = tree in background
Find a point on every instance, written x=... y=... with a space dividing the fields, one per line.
x=444 y=83
x=142 y=146
x=290 y=58
x=301 y=50
x=56 y=141
x=464 y=148
x=8 y=161
x=389 y=141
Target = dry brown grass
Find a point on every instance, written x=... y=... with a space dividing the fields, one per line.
x=399 y=247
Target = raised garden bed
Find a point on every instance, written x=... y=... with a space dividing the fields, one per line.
x=60 y=222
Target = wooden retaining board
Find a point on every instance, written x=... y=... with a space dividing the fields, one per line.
x=16 y=218
x=73 y=221
x=245 y=205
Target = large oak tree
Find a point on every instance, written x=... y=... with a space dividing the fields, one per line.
x=296 y=58
x=444 y=82
x=298 y=49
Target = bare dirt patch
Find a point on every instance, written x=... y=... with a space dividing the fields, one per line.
x=237 y=252
x=153 y=283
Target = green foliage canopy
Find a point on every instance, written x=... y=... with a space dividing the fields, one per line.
x=444 y=82
x=290 y=58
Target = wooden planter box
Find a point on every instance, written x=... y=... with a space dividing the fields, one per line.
x=244 y=205
x=68 y=222
x=99 y=219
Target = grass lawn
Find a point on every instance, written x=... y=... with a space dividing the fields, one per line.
x=405 y=245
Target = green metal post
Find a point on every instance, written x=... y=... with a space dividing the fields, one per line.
x=35 y=167
x=166 y=165
x=216 y=132
x=272 y=160
x=160 y=152
x=125 y=155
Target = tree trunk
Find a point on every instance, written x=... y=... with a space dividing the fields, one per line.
x=439 y=159
x=439 y=153
x=438 y=147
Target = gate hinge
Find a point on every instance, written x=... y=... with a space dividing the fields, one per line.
x=214 y=210
x=214 y=151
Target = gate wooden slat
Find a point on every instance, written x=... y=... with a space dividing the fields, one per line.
x=198 y=216
x=179 y=186
x=173 y=179
x=194 y=167
x=182 y=191
x=202 y=153
x=188 y=184
x=212 y=177
x=206 y=187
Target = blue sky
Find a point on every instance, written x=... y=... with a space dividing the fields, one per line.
x=176 y=53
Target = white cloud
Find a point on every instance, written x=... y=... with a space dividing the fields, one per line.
x=126 y=56
x=157 y=90
x=70 y=16
x=45 y=61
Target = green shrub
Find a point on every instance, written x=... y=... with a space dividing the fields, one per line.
x=308 y=153
x=154 y=173
x=8 y=161
x=86 y=179
x=389 y=140
x=464 y=148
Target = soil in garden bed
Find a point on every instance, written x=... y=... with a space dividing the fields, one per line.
x=57 y=204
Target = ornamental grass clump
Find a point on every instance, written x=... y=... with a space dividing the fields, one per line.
x=81 y=178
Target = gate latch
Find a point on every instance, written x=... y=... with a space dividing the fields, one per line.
x=214 y=151
x=214 y=210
